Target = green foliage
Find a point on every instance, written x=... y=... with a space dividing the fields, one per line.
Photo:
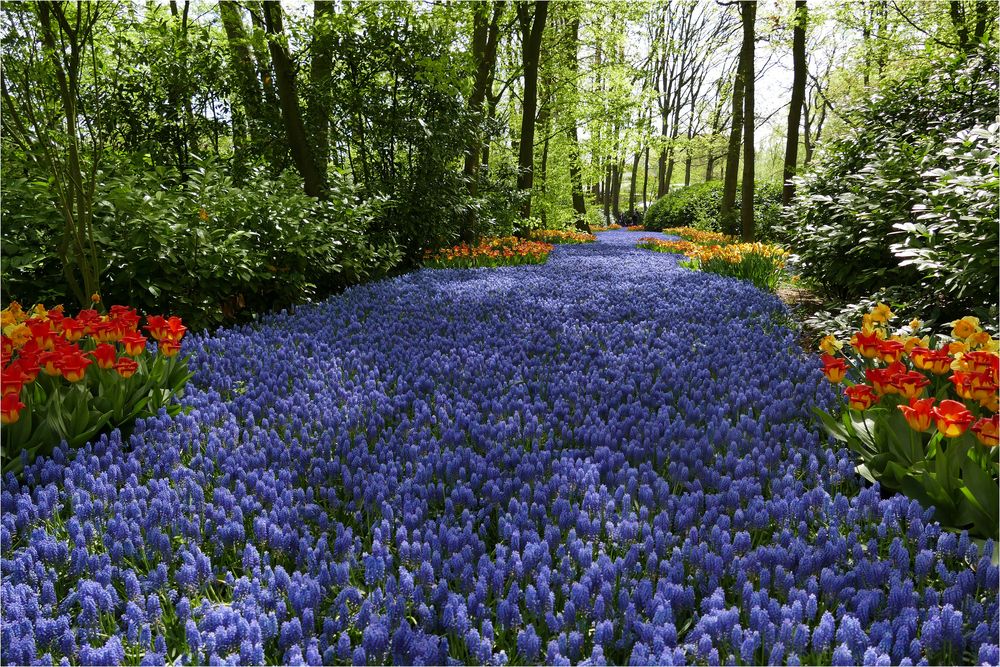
x=698 y=206
x=767 y=211
x=875 y=208
x=695 y=206
x=954 y=239
x=203 y=247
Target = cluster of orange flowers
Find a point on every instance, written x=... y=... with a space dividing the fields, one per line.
x=699 y=236
x=636 y=228
x=560 y=236
x=905 y=364
x=506 y=250
x=677 y=247
x=734 y=253
x=60 y=346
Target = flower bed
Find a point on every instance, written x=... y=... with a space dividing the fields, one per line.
x=559 y=465
x=760 y=263
x=926 y=423
x=699 y=236
x=503 y=251
x=635 y=228
x=557 y=236
x=67 y=378
x=660 y=245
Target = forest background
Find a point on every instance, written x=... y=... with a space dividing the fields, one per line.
x=222 y=159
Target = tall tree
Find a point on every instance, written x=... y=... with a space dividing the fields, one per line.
x=575 y=178
x=247 y=111
x=799 y=74
x=291 y=112
x=318 y=110
x=728 y=206
x=532 y=26
x=746 y=205
x=485 y=36
x=51 y=123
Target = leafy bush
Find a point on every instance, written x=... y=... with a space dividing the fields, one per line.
x=907 y=197
x=768 y=212
x=202 y=247
x=694 y=206
x=698 y=206
x=914 y=431
x=68 y=378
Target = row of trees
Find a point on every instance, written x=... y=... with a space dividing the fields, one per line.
x=461 y=118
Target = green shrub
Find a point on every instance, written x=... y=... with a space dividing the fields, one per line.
x=204 y=248
x=698 y=206
x=907 y=197
x=694 y=206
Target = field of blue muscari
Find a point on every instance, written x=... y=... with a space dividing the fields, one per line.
x=604 y=459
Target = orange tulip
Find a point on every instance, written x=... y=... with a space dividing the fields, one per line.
x=988 y=430
x=866 y=344
x=910 y=385
x=951 y=418
x=935 y=361
x=890 y=350
x=834 y=368
x=10 y=409
x=169 y=348
x=135 y=344
x=918 y=413
x=860 y=397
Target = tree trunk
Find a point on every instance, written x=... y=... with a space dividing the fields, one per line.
x=248 y=141
x=484 y=53
x=318 y=112
x=746 y=206
x=728 y=206
x=616 y=188
x=632 y=183
x=798 y=98
x=291 y=114
x=532 y=26
x=575 y=178
x=645 y=178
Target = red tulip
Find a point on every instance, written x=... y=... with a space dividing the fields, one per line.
x=135 y=343
x=10 y=409
x=951 y=418
x=834 y=368
x=105 y=355
x=890 y=350
x=73 y=365
x=126 y=367
x=988 y=430
x=860 y=396
x=918 y=413
x=909 y=385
